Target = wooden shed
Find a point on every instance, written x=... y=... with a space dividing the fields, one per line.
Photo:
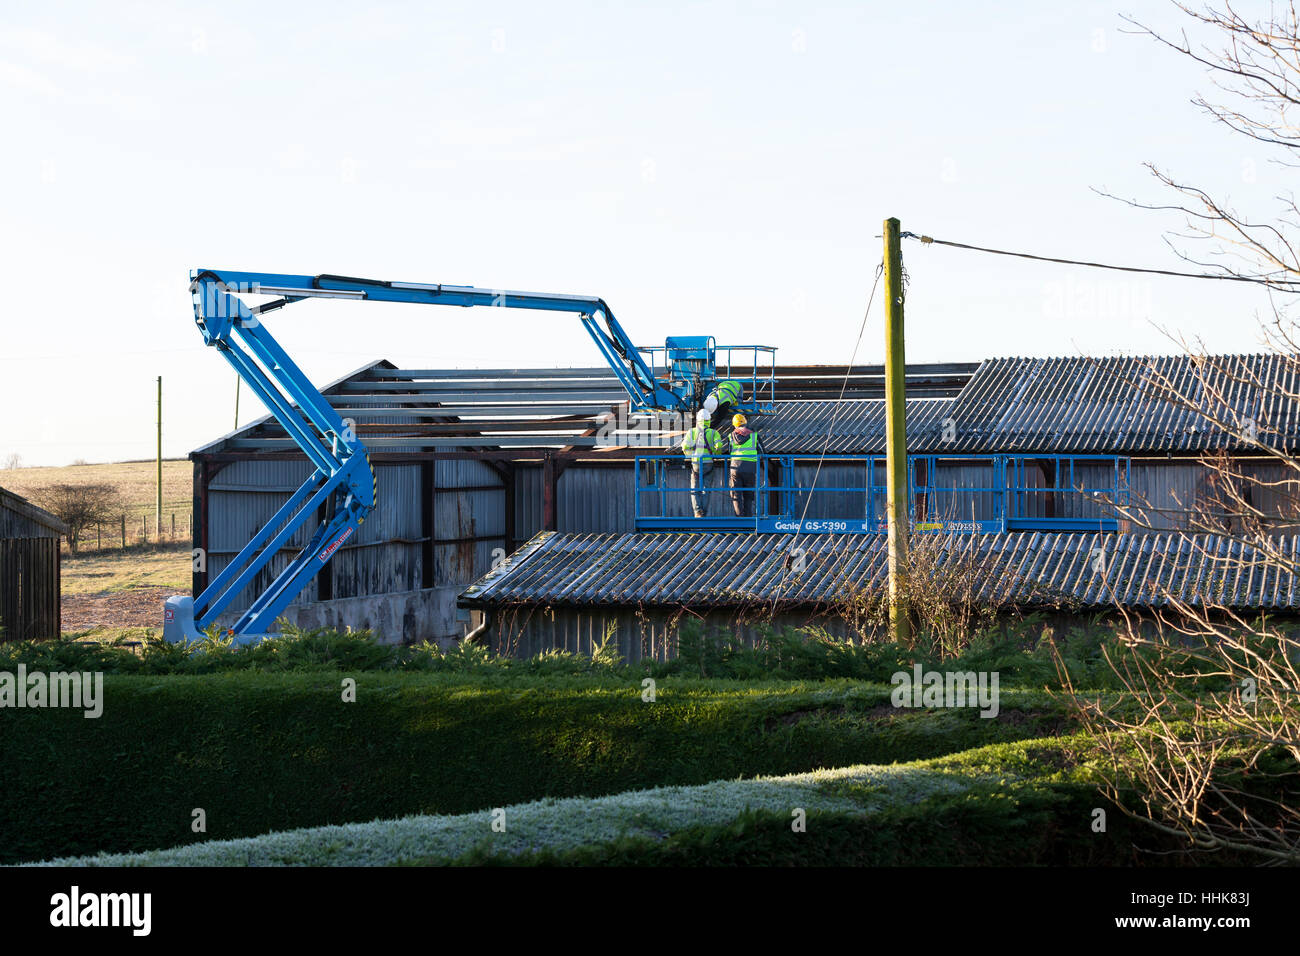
x=30 y=605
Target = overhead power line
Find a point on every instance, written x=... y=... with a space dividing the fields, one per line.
x=1285 y=285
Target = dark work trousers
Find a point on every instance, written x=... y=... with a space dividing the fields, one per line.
x=721 y=416
x=743 y=475
x=700 y=486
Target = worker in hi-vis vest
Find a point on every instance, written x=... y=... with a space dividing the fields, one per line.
x=721 y=400
x=744 y=466
x=701 y=446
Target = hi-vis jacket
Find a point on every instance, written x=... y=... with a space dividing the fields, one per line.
x=703 y=447
x=729 y=392
x=744 y=447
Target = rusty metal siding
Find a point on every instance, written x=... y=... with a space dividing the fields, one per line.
x=469 y=525
x=397 y=506
x=383 y=556
x=458 y=515
x=1164 y=493
x=383 y=569
x=528 y=501
x=590 y=500
x=454 y=564
x=459 y=473
x=1277 y=492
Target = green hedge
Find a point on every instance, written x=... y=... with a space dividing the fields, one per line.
x=1024 y=656
x=272 y=751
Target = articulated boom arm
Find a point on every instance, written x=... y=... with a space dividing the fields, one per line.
x=342 y=475
x=614 y=344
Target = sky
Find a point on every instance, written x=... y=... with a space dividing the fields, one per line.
x=706 y=168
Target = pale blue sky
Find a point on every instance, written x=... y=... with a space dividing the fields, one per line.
x=717 y=168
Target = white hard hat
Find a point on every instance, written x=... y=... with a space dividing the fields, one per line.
x=702 y=416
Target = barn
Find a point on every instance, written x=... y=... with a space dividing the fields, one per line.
x=474 y=466
x=30 y=539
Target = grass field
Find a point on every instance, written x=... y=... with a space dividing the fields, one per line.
x=136 y=481
x=106 y=572
x=111 y=591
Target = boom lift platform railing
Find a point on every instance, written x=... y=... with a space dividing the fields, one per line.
x=689 y=365
x=342 y=478
x=995 y=494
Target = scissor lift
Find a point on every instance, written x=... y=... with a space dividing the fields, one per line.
x=798 y=493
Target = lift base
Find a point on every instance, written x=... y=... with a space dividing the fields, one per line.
x=179 y=626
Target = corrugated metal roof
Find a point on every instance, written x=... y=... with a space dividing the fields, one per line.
x=1126 y=404
x=409 y=410
x=848 y=427
x=727 y=569
x=1080 y=405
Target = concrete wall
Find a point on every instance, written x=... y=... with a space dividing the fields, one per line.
x=402 y=617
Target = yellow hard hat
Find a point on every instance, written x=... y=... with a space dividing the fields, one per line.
x=738 y=420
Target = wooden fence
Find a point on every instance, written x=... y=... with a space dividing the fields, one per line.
x=135 y=530
x=29 y=588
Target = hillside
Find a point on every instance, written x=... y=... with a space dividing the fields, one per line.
x=135 y=480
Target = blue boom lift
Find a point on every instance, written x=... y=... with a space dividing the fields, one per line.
x=689 y=370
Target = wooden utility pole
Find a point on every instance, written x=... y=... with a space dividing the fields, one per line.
x=896 y=436
x=158 y=501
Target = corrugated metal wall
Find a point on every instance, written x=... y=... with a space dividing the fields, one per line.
x=470 y=525
x=1164 y=493
x=586 y=499
x=1278 y=493
x=528 y=502
x=383 y=556
x=594 y=499
x=242 y=497
x=385 y=553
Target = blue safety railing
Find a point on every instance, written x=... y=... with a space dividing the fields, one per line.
x=699 y=362
x=847 y=494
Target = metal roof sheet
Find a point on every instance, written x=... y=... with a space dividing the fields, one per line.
x=849 y=427
x=396 y=410
x=1127 y=404
x=1030 y=568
